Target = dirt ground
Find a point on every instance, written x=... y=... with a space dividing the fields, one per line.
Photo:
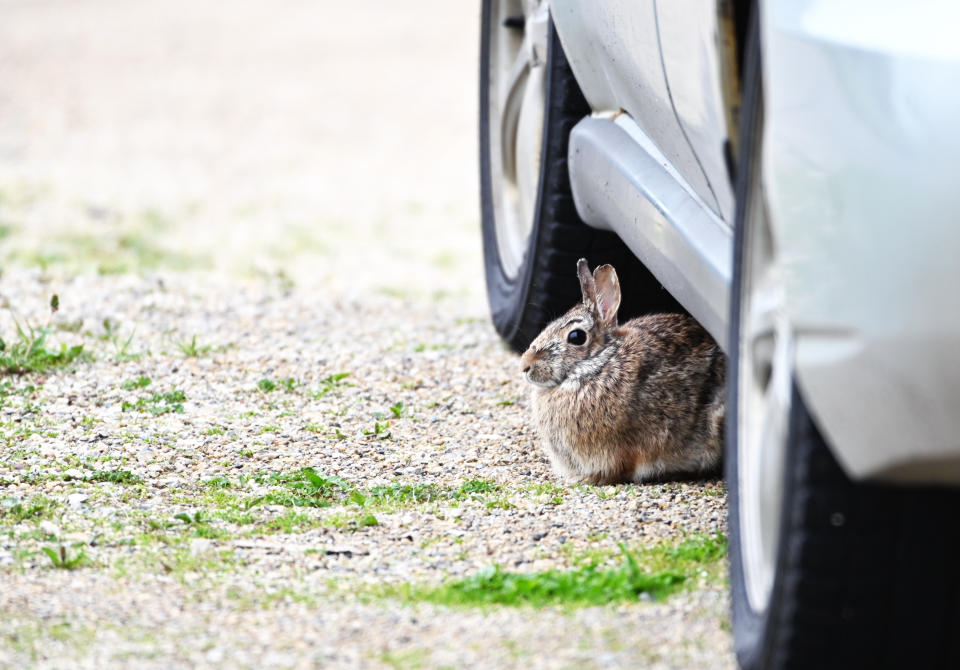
x=240 y=202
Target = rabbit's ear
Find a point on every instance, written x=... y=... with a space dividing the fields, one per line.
x=607 y=288
x=587 y=283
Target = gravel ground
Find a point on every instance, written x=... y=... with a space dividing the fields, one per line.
x=243 y=207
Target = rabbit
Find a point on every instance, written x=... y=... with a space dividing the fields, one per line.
x=633 y=402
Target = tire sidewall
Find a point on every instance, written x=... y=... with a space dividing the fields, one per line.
x=753 y=631
x=508 y=297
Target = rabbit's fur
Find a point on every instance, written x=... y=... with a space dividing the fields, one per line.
x=634 y=402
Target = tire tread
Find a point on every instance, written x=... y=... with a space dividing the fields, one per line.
x=880 y=590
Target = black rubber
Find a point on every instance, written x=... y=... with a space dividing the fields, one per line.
x=547 y=283
x=868 y=576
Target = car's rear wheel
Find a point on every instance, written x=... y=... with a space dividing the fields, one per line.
x=532 y=235
x=824 y=572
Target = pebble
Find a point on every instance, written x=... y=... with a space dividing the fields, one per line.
x=76 y=500
x=49 y=528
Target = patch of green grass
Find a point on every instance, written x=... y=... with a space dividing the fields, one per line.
x=398 y=409
x=237 y=516
x=191 y=349
x=158 y=403
x=114 y=477
x=5 y=388
x=400 y=494
x=266 y=385
x=190 y=519
x=60 y=558
x=218 y=483
x=121 y=348
x=209 y=532
x=477 y=486
x=308 y=488
x=137 y=383
x=352 y=522
x=199 y=525
x=291 y=521
x=29 y=353
x=303 y=488
x=409 y=659
x=73 y=326
x=658 y=572
x=380 y=430
x=32 y=637
x=695 y=550
x=330 y=384
x=127 y=251
x=25 y=392
x=14 y=510
x=178 y=561
x=549 y=492
x=603 y=492
x=148 y=254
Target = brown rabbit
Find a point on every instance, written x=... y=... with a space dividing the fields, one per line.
x=629 y=402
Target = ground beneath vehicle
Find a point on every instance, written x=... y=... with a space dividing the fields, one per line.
x=813 y=550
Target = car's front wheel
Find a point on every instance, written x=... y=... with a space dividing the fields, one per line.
x=532 y=235
x=825 y=572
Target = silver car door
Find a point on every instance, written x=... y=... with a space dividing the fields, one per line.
x=692 y=46
x=614 y=51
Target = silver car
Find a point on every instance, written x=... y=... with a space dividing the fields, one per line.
x=787 y=172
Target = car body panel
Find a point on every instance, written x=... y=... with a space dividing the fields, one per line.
x=861 y=144
x=690 y=46
x=614 y=52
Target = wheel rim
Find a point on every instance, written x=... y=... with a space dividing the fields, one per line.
x=517 y=94
x=764 y=395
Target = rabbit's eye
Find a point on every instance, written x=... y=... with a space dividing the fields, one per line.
x=577 y=337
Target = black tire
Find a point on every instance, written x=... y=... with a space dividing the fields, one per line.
x=866 y=576
x=547 y=285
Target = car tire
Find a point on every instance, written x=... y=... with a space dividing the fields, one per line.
x=824 y=572
x=532 y=235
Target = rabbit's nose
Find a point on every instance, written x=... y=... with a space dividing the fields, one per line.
x=527 y=359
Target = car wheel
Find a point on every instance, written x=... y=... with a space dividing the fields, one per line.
x=532 y=235
x=824 y=572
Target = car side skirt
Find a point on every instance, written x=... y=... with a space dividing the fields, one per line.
x=621 y=182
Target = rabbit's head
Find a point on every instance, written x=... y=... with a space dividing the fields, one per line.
x=575 y=347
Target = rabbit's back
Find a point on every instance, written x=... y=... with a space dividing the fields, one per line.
x=654 y=406
x=679 y=388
